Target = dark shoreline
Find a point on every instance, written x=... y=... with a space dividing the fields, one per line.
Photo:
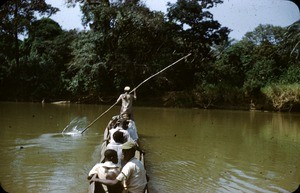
x=173 y=102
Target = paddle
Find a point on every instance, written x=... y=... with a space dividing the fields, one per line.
x=185 y=57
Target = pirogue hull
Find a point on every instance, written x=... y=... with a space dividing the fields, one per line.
x=100 y=188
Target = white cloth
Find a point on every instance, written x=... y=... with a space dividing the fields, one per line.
x=132 y=130
x=101 y=169
x=118 y=148
x=134 y=174
x=112 y=131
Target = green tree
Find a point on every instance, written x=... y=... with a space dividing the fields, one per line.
x=195 y=30
x=228 y=67
x=265 y=33
x=290 y=46
x=87 y=74
x=131 y=40
x=293 y=37
x=45 y=54
x=16 y=19
x=267 y=64
x=291 y=75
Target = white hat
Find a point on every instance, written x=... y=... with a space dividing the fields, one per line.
x=127 y=88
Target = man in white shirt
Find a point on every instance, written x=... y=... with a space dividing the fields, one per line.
x=121 y=127
x=109 y=169
x=116 y=144
x=133 y=174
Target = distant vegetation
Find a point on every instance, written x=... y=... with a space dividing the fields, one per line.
x=128 y=43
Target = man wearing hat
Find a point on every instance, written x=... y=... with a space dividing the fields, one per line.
x=133 y=174
x=127 y=100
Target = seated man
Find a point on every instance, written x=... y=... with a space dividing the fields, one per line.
x=120 y=127
x=107 y=170
x=129 y=125
x=116 y=144
x=133 y=174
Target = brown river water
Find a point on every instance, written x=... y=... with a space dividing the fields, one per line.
x=187 y=150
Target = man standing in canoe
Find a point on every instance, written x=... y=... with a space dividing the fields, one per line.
x=127 y=100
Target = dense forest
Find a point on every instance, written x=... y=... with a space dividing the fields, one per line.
x=127 y=42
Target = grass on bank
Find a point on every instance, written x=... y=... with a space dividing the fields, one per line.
x=283 y=96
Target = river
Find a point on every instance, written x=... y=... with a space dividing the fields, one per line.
x=187 y=150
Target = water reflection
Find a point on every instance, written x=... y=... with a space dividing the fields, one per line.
x=224 y=151
x=187 y=150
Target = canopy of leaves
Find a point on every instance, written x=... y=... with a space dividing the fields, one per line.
x=127 y=43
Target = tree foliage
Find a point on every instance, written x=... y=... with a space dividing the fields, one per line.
x=17 y=17
x=195 y=31
x=127 y=42
x=45 y=53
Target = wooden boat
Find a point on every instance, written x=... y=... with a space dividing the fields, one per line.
x=101 y=188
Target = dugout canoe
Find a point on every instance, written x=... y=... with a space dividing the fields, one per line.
x=97 y=187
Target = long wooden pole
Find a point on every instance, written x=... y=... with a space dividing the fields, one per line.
x=136 y=89
x=98 y=117
x=160 y=72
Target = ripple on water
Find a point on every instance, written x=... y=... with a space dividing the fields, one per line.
x=248 y=181
x=186 y=171
x=222 y=175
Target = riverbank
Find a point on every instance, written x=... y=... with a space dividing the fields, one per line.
x=178 y=99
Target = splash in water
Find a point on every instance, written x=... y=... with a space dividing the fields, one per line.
x=76 y=126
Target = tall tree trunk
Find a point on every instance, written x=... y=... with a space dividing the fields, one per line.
x=18 y=82
x=16 y=24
